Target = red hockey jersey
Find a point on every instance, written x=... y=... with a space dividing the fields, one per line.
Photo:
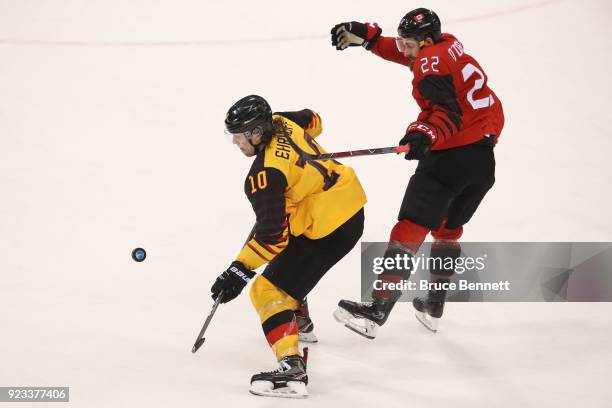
x=451 y=89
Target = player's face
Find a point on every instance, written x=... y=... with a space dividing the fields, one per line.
x=408 y=46
x=242 y=141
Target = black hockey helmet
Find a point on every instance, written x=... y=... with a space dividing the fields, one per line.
x=420 y=23
x=249 y=113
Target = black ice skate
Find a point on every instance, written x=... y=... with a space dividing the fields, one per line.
x=305 y=324
x=363 y=318
x=428 y=312
x=287 y=381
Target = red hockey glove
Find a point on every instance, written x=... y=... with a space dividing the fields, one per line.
x=421 y=137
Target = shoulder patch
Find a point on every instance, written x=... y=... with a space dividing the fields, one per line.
x=301 y=118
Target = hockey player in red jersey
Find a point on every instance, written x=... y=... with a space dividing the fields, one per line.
x=453 y=138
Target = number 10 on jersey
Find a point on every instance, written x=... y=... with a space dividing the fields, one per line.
x=258 y=183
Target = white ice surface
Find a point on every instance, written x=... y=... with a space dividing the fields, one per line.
x=111 y=137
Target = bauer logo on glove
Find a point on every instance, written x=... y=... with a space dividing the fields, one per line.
x=232 y=281
x=240 y=274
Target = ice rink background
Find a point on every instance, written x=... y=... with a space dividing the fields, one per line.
x=111 y=137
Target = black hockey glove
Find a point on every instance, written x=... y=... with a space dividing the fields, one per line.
x=421 y=137
x=352 y=34
x=231 y=282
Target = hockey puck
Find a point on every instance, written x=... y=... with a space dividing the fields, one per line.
x=139 y=254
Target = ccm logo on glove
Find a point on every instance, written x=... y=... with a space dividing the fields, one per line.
x=421 y=137
x=425 y=129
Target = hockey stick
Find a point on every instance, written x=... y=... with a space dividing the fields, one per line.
x=251 y=234
x=364 y=152
x=200 y=340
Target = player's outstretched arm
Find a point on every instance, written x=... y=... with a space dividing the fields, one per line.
x=265 y=188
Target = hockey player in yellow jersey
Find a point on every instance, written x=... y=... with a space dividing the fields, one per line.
x=309 y=215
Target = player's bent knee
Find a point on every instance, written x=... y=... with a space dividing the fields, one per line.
x=409 y=234
x=258 y=290
x=268 y=299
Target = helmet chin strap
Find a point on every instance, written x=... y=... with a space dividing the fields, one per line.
x=421 y=41
x=257 y=146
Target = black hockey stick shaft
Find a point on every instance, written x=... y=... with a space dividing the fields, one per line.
x=363 y=152
x=200 y=340
x=251 y=234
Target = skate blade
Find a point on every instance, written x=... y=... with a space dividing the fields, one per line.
x=308 y=337
x=294 y=389
x=368 y=329
x=431 y=323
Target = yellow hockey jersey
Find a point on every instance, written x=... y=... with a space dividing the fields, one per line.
x=293 y=197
